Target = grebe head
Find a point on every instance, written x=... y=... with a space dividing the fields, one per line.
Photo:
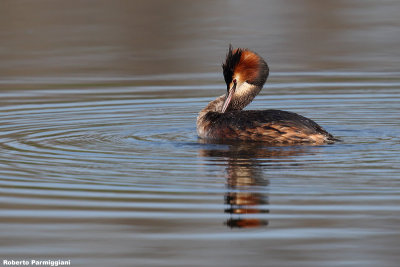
x=245 y=73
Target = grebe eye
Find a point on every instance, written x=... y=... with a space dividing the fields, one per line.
x=234 y=80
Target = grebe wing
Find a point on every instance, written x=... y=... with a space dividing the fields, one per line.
x=275 y=126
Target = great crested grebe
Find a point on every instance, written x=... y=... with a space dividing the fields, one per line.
x=222 y=119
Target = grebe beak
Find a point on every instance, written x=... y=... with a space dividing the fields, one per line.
x=229 y=97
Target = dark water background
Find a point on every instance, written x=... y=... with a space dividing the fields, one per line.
x=99 y=159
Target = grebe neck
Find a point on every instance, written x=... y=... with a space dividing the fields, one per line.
x=243 y=96
x=213 y=106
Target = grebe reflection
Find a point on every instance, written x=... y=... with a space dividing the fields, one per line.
x=246 y=198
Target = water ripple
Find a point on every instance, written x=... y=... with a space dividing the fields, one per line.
x=131 y=152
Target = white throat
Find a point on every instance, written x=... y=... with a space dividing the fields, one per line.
x=244 y=89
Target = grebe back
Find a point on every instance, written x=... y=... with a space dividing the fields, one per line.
x=245 y=73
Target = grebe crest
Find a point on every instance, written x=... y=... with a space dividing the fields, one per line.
x=245 y=73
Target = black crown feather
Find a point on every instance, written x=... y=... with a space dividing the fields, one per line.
x=232 y=59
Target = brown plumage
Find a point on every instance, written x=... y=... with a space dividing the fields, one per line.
x=223 y=119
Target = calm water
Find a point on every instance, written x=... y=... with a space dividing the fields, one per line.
x=100 y=163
